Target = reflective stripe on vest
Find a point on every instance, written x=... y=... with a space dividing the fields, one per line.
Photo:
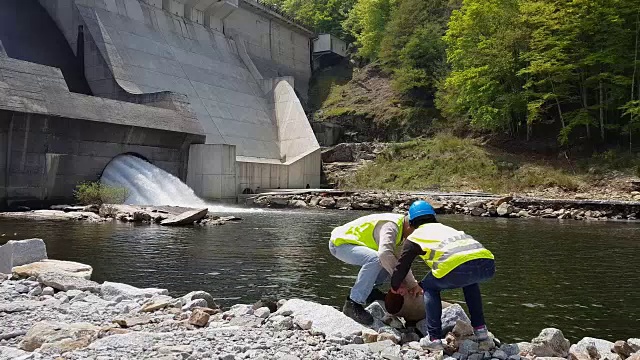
x=446 y=248
x=360 y=231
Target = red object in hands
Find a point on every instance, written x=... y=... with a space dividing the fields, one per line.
x=393 y=302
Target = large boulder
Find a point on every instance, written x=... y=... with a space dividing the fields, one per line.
x=28 y=251
x=634 y=343
x=550 y=343
x=66 y=282
x=339 y=153
x=70 y=268
x=110 y=291
x=186 y=218
x=504 y=209
x=60 y=337
x=584 y=349
x=324 y=318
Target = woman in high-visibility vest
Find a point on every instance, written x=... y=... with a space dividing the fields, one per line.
x=372 y=242
x=456 y=261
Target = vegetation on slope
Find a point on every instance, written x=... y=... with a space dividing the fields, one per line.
x=446 y=162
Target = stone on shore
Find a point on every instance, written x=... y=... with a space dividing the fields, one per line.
x=130 y=342
x=585 y=348
x=28 y=251
x=156 y=303
x=623 y=349
x=60 y=337
x=186 y=218
x=64 y=282
x=504 y=209
x=70 y=268
x=450 y=317
x=110 y=291
x=7 y=353
x=324 y=318
x=194 y=295
x=133 y=321
x=634 y=343
x=550 y=343
x=199 y=318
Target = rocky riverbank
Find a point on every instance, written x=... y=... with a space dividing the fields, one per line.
x=163 y=215
x=484 y=205
x=54 y=312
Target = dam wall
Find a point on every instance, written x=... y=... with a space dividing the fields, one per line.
x=240 y=65
x=52 y=139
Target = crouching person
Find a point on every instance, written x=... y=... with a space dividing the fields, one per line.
x=372 y=242
x=456 y=260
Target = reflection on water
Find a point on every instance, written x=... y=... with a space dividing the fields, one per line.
x=580 y=277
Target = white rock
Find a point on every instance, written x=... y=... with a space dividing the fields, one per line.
x=64 y=281
x=302 y=323
x=133 y=341
x=550 y=343
x=634 y=343
x=579 y=350
x=36 y=291
x=195 y=303
x=22 y=288
x=200 y=295
x=450 y=316
x=377 y=310
x=71 y=268
x=110 y=291
x=500 y=355
x=324 y=318
x=7 y=353
x=262 y=312
x=47 y=291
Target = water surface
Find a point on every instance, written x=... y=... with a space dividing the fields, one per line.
x=580 y=277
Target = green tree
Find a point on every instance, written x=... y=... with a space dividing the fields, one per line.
x=367 y=21
x=484 y=42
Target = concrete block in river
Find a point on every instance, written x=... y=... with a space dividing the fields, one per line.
x=28 y=251
x=186 y=218
x=6 y=258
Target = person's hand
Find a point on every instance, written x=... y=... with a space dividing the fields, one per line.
x=416 y=291
x=401 y=290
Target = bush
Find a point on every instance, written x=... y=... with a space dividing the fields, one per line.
x=94 y=192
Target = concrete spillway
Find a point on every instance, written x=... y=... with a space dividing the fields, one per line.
x=148 y=184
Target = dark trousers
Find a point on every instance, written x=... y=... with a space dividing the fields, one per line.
x=466 y=276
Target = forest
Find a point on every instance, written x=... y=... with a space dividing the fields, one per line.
x=561 y=70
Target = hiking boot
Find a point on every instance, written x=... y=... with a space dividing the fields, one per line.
x=357 y=312
x=432 y=345
x=375 y=295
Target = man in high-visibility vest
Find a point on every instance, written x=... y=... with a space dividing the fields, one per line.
x=456 y=260
x=373 y=243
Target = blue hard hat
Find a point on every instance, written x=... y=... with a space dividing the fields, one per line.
x=420 y=208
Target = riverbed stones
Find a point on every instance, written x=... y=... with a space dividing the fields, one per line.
x=262 y=312
x=450 y=316
x=70 y=268
x=157 y=302
x=327 y=203
x=324 y=318
x=550 y=343
x=504 y=209
x=64 y=282
x=634 y=343
x=127 y=322
x=186 y=218
x=586 y=349
x=110 y=291
x=194 y=304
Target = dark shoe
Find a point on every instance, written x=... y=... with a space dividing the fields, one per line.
x=375 y=295
x=357 y=312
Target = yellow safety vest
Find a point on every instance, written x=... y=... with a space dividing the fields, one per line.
x=446 y=248
x=360 y=231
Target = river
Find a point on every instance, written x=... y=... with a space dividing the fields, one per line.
x=581 y=277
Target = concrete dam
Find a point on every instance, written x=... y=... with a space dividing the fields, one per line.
x=206 y=90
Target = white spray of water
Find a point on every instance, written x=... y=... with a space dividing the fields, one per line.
x=148 y=184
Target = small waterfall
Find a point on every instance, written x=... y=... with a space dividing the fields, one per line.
x=148 y=184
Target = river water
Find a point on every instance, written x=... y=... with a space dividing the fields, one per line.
x=581 y=277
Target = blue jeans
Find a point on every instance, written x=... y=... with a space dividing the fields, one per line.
x=466 y=276
x=371 y=271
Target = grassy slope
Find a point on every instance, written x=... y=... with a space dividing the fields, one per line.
x=446 y=162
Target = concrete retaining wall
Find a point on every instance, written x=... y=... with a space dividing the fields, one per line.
x=212 y=171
